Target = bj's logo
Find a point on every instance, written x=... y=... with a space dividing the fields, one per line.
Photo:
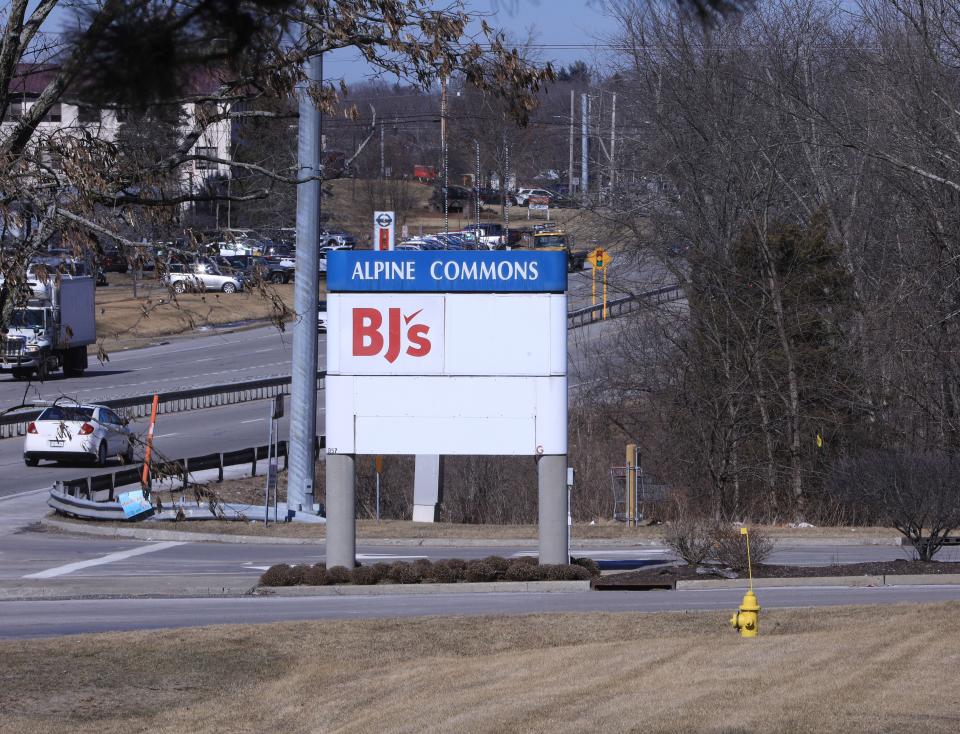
x=402 y=332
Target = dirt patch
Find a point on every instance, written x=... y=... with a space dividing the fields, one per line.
x=668 y=575
x=538 y=673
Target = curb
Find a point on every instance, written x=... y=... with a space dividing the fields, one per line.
x=147 y=587
x=925 y=579
x=513 y=587
x=189 y=536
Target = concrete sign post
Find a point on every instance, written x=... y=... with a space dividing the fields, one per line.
x=383 y=231
x=446 y=353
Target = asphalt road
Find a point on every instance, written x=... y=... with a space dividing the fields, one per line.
x=22 y=619
x=207 y=359
x=177 y=435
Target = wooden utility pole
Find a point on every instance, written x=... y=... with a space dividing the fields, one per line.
x=572 y=137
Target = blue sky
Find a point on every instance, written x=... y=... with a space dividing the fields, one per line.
x=564 y=30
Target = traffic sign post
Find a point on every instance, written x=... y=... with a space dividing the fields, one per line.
x=600 y=259
x=383 y=231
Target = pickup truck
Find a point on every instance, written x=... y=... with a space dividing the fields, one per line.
x=552 y=238
x=253 y=268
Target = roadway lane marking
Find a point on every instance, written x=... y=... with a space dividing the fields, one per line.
x=165 y=435
x=109 y=558
x=382 y=556
x=253 y=420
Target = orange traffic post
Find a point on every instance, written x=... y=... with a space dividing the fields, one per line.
x=146 y=457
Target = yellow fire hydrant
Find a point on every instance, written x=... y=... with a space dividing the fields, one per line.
x=747 y=618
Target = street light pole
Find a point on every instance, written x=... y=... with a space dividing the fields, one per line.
x=303 y=383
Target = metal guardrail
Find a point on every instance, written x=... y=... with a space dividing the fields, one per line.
x=177 y=401
x=625 y=305
x=95 y=498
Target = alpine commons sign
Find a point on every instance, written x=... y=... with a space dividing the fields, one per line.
x=447 y=272
x=446 y=353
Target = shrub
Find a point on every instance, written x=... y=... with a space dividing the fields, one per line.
x=587 y=563
x=567 y=572
x=457 y=564
x=529 y=560
x=423 y=565
x=498 y=564
x=478 y=571
x=691 y=537
x=337 y=575
x=730 y=546
x=402 y=572
x=315 y=575
x=442 y=573
x=382 y=569
x=522 y=572
x=365 y=576
x=278 y=575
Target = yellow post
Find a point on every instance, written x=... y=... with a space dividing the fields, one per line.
x=631 y=483
x=604 y=293
x=747 y=618
x=593 y=288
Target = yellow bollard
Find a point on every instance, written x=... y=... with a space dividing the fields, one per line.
x=747 y=618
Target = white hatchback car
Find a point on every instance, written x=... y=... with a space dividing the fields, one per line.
x=89 y=433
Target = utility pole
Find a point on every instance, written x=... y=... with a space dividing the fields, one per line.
x=573 y=115
x=443 y=150
x=584 y=147
x=383 y=174
x=303 y=382
x=506 y=193
x=613 y=144
x=476 y=186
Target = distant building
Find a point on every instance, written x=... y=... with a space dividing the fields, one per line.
x=72 y=114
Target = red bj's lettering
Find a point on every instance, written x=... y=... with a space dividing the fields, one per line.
x=369 y=342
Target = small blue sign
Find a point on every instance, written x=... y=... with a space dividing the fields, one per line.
x=134 y=503
x=467 y=271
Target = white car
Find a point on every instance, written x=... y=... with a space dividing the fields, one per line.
x=71 y=432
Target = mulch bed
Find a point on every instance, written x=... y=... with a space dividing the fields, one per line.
x=666 y=577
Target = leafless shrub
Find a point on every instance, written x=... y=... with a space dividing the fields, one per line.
x=443 y=573
x=566 y=572
x=587 y=563
x=277 y=575
x=337 y=575
x=522 y=572
x=690 y=536
x=730 y=546
x=402 y=572
x=315 y=575
x=479 y=571
x=366 y=575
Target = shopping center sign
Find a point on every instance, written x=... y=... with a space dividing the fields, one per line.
x=446 y=353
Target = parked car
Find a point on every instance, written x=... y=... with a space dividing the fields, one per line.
x=255 y=268
x=458 y=198
x=322 y=316
x=202 y=275
x=337 y=238
x=113 y=261
x=279 y=251
x=78 y=432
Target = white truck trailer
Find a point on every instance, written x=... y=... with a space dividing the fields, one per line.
x=53 y=330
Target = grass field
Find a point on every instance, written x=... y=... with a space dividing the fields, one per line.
x=846 y=669
x=125 y=321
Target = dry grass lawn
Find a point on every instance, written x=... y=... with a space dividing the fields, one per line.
x=124 y=321
x=847 y=669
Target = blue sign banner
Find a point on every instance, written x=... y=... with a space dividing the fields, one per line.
x=461 y=271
